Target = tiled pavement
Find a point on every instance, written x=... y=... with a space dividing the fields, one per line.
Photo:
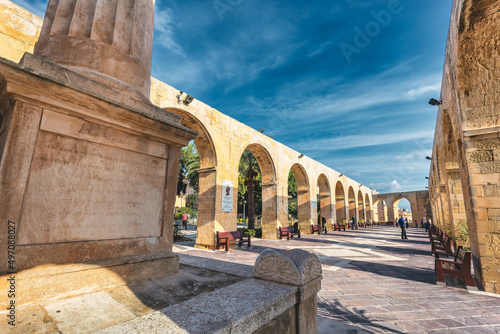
x=373 y=282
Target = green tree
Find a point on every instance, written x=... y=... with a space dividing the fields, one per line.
x=189 y=163
x=292 y=192
x=249 y=173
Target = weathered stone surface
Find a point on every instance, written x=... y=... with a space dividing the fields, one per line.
x=480 y=156
x=102 y=310
x=243 y=307
x=101 y=40
x=32 y=319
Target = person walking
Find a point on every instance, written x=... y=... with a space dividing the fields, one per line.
x=402 y=224
x=421 y=223
x=416 y=223
x=354 y=223
x=323 y=224
x=406 y=222
x=184 y=221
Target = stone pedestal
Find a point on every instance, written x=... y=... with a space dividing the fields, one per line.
x=297 y=268
x=87 y=172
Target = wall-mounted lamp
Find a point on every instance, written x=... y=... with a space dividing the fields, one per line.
x=187 y=100
x=428 y=158
x=427 y=187
x=427 y=177
x=300 y=156
x=434 y=102
x=341 y=175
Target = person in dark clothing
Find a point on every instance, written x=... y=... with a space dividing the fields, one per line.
x=323 y=224
x=402 y=224
x=354 y=223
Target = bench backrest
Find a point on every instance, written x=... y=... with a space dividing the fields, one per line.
x=229 y=235
x=315 y=227
x=285 y=229
x=465 y=258
x=290 y=229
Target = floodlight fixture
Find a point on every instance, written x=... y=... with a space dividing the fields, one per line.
x=434 y=102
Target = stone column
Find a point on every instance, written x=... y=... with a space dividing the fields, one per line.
x=297 y=268
x=110 y=41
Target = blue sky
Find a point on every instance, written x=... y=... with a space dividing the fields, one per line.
x=301 y=70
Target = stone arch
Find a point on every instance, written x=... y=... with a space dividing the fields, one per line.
x=304 y=210
x=381 y=213
x=207 y=195
x=368 y=208
x=325 y=197
x=352 y=203
x=269 y=189
x=340 y=207
x=396 y=206
x=452 y=159
x=361 y=206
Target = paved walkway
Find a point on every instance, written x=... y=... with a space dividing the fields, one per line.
x=373 y=282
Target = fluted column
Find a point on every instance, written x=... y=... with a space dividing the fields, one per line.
x=108 y=40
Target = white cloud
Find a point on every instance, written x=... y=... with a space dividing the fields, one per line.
x=164 y=30
x=414 y=93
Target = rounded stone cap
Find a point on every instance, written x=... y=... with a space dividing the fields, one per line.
x=295 y=267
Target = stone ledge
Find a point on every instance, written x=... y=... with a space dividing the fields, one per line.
x=244 y=307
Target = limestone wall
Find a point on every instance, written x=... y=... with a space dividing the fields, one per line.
x=465 y=173
x=21 y=32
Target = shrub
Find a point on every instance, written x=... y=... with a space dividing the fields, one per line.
x=256 y=233
x=180 y=211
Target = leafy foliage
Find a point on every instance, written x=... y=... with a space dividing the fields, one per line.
x=180 y=212
x=292 y=192
x=254 y=233
x=462 y=235
x=248 y=182
x=192 y=201
x=189 y=163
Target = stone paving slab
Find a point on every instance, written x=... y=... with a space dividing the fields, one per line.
x=375 y=282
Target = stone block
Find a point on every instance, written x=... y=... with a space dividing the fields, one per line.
x=490 y=167
x=488 y=144
x=494 y=214
x=479 y=156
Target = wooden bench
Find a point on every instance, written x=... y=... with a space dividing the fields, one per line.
x=284 y=232
x=442 y=246
x=338 y=227
x=315 y=229
x=229 y=238
x=291 y=232
x=459 y=267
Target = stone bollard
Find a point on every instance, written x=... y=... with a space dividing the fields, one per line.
x=298 y=268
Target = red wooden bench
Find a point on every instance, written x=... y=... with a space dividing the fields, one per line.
x=338 y=227
x=229 y=238
x=442 y=246
x=315 y=229
x=291 y=233
x=459 y=267
x=283 y=232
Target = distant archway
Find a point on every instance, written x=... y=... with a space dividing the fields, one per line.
x=361 y=207
x=340 y=207
x=352 y=203
x=381 y=206
x=303 y=198
x=368 y=208
x=325 y=198
x=269 y=218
